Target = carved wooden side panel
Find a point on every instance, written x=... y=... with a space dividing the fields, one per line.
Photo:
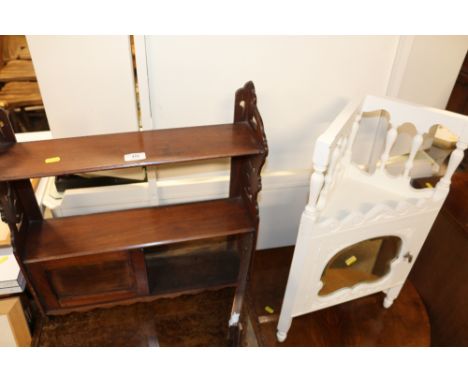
x=246 y=183
x=245 y=172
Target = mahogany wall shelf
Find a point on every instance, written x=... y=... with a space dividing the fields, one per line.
x=82 y=262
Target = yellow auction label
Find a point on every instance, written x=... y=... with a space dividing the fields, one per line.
x=269 y=309
x=52 y=160
x=350 y=260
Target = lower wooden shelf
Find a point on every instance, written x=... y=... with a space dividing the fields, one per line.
x=85 y=281
x=68 y=237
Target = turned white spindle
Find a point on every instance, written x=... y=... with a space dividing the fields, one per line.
x=316 y=183
x=389 y=141
x=416 y=144
x=455 y=160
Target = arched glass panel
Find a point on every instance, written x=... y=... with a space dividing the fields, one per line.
x=366 y=261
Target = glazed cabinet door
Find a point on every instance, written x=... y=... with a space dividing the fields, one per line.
x=91 y=279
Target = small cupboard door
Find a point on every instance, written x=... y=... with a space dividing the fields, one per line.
x=91 y=279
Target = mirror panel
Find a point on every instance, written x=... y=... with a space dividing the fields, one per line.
x=363 y=262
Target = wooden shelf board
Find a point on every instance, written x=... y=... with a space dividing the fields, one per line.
x=113 y=231
x=106 y=152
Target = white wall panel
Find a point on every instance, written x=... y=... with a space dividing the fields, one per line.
x=302 y=83
x=86 y=83
x=432 y=68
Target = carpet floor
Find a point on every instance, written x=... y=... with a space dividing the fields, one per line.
x=190 y=320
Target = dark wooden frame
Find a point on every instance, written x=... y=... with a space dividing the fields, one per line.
x=53 y=254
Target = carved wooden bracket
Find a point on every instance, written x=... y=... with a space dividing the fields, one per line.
x=245 y=110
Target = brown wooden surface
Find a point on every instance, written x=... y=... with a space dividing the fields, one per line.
x=17 y=70
x=13 y=47
x=457 y=201
x=361 y=322
x=103 y=152
x=441 y=271
x=20 y=94
x=112 y=231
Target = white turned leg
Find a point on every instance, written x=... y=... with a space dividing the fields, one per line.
x=283 y=327
x=387 y=302
x=391 y=295
x=281 y=336
x=301 y=252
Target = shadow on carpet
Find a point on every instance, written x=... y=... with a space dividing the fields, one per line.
x=190 y=320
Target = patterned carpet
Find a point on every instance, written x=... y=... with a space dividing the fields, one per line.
x=191 y=320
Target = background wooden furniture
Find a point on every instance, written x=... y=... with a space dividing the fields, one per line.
x=19 y=91
x=81 y=262
x=17 y=70
x=446 y=250
x=18 y=98
x=14 y=330
x=14 y=47
x=20 y=94
x=352 y=203
x=458 y=101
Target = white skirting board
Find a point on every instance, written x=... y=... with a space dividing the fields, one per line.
x=282 y=199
